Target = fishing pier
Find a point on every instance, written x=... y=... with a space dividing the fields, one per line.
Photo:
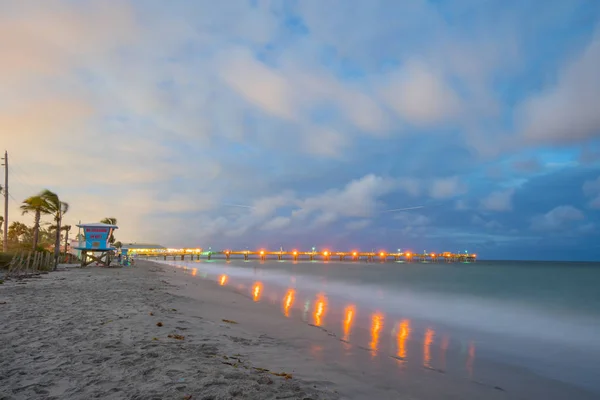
x=313 y=255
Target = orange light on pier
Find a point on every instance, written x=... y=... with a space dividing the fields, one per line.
x=376 y=325
x=288 y=301
x=354 y=253
x=262 y=252
x=408 y=254
x=295 y=253
x=474 y=255
x=194 y=271
x=256 y=290
x=381 y=254
x=348 y=318
x=325 y=253
x=223 y=280
x=403 y=334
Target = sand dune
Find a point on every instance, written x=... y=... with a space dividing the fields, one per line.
x=115 y=334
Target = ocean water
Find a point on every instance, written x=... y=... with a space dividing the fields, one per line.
x=539 y=317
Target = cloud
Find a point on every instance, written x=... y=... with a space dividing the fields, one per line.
x=528 y=165
x=567 y=112
x=592 y=189
x=276 y=223
x=358 y=225
x=410 y=219
x=420 y=96
x=556 y=219
x=446 y=187
x=498 y=201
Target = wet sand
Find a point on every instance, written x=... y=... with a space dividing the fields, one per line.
x=94 y=333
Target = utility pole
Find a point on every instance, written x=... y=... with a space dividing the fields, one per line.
x=5 y=238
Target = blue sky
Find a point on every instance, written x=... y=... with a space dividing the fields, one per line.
x=317 y=116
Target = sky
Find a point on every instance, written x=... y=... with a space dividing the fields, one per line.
x=266 y=123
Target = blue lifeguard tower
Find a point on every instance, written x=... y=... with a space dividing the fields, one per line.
x=95 y=241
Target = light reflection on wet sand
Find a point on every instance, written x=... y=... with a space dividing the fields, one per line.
x=400 y=330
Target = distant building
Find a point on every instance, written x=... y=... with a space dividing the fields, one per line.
x=143 y=248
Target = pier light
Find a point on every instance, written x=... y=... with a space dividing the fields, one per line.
x=262 y=252
x=408 y=254
x=295 y=253
x=382 y=254
x=474 y=255
x=432 y=254
x=326 y=253
x=354 y=253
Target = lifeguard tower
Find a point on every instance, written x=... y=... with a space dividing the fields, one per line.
x=95 y=240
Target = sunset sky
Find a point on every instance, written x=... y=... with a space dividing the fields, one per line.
x=269 y=123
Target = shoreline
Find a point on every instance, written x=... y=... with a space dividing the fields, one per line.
x=93 y=333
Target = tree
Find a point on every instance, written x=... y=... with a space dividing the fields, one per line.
x=57 y=208
x=38 y=206
x=118 y=245
x=110 y=221
x=66 y=228
x=17 y=231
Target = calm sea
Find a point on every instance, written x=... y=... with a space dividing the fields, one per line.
x=543 y=317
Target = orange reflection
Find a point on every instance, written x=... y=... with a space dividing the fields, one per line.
x=223 y=280
x=403 y=334
x=427 y=342
x=471 y=359
x=194 y=271
x=320 y=309
x=288 y=301
x=376 y=325
x=348 y=318
x=256 y=290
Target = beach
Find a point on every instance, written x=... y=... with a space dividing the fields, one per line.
x=94 y=333
x=217 y=330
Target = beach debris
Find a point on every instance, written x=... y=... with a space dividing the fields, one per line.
x=229 y=321
x=151 y=288
x=175 y=336
x=154 y=338
x=106 y=322
x=173 y=309
x=151 y=313
x=187 y=397
x=3 y=302
x=1 y=281
x=159 y=324
x=283 y=374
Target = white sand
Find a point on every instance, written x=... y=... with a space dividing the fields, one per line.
x=84 y=334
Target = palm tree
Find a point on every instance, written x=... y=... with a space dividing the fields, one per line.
x=66 y=228
x=16 y=231
x=110 y=221
x=38 y=206
x=57 y=208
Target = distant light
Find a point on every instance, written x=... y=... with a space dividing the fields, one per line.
x=326 y=253
x=354 y=253
x=382 y=254
x=408 y=254
x=262 y=252
x=432 y=254
x=295 y=252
